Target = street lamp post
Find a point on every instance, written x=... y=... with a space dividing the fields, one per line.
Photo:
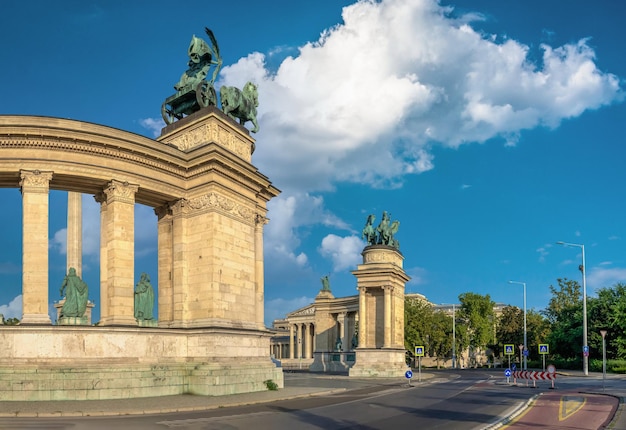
x=582 y=269
x=525 y=332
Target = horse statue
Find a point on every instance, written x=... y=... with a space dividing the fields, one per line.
x=393 y=228
x=369 y=233
x=241 y=104
x=386 y=229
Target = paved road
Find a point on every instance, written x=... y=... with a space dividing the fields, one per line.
x=448 y=400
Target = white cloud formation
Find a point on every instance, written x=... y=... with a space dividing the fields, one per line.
x=154 y=125
x=13 y=309
x=601 y=277
x=288 y=214
x=345 y=252
x=366 y=102
x=278 y=308
x=370 y=98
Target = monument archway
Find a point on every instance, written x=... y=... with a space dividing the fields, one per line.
x=211 y=204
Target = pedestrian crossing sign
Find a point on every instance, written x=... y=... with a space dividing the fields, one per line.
x=509 y=349
x=543 y=348
x=419 y=351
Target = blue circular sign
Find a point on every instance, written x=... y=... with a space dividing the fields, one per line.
x=408 y=374
x=507 y=373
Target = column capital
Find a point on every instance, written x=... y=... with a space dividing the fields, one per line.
x=120 y=191
x=35 y=180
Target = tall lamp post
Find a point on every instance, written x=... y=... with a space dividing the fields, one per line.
x=525 y=332
x=585 y=345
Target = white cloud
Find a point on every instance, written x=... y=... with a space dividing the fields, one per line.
x=417 y=274
x=278 y=308
x=13 y=309
x=154 y=125
x=345 y=252
x=366 y=102
x=600 y=277
x=288 y=213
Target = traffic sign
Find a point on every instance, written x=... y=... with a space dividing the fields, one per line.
x=586 y=349
x=514 y=367
x=544 y=348
x=508 y=349
x=526 y=353
x=507 y=373
x=419 y=351
x=408 y=374
x=551 y=368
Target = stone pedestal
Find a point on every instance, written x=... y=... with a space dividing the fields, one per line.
x=84 y=320
x=381 y=283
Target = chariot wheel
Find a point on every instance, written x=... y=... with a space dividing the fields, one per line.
x=205 y=95
x=168 y=116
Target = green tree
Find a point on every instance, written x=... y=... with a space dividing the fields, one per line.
x=608 y=311
x=509 y=328
x=440 y=338
x=476 y=312
x=11 y=321
x=538 y=330
x=564 y=314
x=418 y=318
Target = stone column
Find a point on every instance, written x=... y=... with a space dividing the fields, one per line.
x=260 y=221
x=104 y=301
x=344 y=331
x=179 y=264
x=165 y=299
x=35 y=187
x=387 y=329
x=309 y=341
x=299 y=340
x=75 y=232
x=362 y=319
x=120 y=234
x=291 y=348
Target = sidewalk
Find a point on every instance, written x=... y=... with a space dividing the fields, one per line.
x=183 y=403
x=152 y=405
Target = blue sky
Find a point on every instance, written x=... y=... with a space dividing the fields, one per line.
x=490 y=130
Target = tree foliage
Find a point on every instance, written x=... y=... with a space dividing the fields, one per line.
x=564 y=313
x=476 y=312
x=560 y=324
x=608 y=311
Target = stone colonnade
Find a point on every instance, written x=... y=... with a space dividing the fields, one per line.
x=211 y=204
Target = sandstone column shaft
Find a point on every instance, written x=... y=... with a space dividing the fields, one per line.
x=387 y=319
x=165 y=263
x=258 y=270
x=74 y=232
x=120 y=235
x=291 y=348
x=35 y=187
x=299 y=336
x=362 y=318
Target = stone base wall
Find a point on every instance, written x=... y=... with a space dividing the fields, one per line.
x=87 y=363
x=332 y=362
x=383 y=363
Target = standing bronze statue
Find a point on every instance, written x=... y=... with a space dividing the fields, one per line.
x=75 y=295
